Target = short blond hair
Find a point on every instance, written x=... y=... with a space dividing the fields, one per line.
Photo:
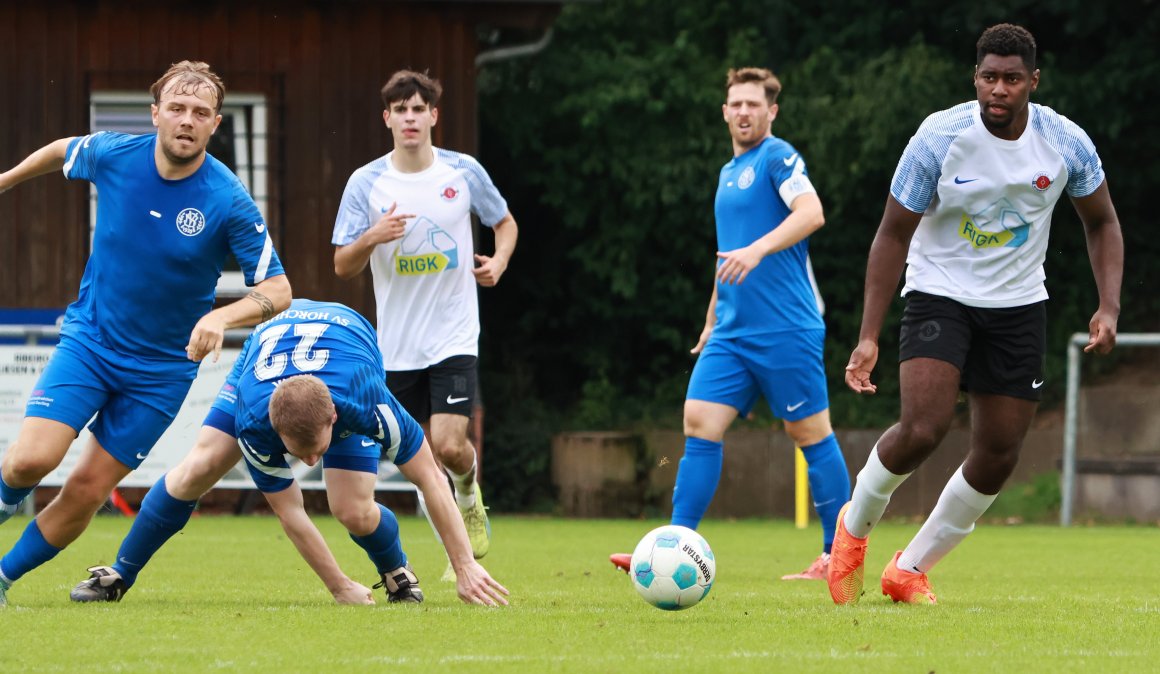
x=191 y=76
x=762 y=76
x=300 y=406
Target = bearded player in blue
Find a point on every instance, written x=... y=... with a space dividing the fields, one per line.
x=308 y=384
x=763 y=331
x=168 y=216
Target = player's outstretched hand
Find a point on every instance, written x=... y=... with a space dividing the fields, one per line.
x=353 y=593
x=1101 y=332
x=861 y=364
x=207 y=337
x=736 y=264
x=476 y=586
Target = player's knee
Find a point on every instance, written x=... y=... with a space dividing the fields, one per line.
x=83 y=496
x=452 y=451
x=357 y=517
x=23 y=466
x=920 y=437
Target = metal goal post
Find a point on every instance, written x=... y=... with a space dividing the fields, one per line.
x=1074 y=351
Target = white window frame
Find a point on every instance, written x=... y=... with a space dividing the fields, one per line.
x=251 y=166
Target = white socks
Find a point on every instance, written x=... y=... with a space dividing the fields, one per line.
x=871 y=495
x=954 y=516
x=464 y=486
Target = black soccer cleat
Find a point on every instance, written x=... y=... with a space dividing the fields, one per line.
x=402 y=586
x=105 y=584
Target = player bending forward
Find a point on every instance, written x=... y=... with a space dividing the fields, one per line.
x=308 y=383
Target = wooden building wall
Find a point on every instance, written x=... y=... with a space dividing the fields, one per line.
x=320 y=64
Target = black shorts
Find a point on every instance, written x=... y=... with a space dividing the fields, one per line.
x=448 y=387
x=998 y=351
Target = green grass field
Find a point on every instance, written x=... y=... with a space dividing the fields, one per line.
x=230 y=593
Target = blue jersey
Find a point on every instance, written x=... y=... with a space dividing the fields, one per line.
x=335 y=344
x=158 y=250
x=754 y=194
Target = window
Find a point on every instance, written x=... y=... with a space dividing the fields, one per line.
x=240 y=143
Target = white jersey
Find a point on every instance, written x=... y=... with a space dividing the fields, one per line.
x=426 y=303
x=987 y=202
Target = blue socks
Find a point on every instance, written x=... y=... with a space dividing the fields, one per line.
x=383 y=545
x=697 y=477
x=29 y=552
x=161 y=517
x=829 y=484
x=12 y=495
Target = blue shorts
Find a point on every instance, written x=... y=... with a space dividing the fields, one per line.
x=786 y=368
x=267 y=461
x=132 y=407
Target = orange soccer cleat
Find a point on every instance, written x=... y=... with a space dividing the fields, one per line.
x=905 y=586
x=847 y=563
x=621 y=560
x=818 y=570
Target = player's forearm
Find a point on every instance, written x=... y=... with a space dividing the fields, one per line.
x=261 y=304
x=797 y=226
x=711 y=312
x=307 y=539
x=350 y=260
x=883 y=270
x=448 y=523
x=1105 y=243
x=45 y=160
x=506 y=234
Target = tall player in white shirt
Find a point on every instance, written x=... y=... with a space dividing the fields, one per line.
x=409 y=215
x=969 y=213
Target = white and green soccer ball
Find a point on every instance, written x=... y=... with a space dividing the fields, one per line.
x=673 y=568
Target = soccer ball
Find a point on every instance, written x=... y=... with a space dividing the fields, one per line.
x=673 y=568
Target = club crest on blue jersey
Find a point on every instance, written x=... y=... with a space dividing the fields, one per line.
x=190 y=222
x=746 y=178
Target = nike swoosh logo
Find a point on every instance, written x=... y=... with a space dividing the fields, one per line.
x=369 y=443
x=452 y=401
x=790 y=159
x=960 y=181
x=142 y=456
x=260 y=226
x=790 y=408
x=125 y=561
x=1036 y=384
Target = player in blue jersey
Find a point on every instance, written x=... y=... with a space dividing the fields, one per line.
x=168 y=216
x=763 y=331
x=308 y=384
x=969 y=214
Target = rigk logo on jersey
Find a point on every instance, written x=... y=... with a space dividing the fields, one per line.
x=190 y=222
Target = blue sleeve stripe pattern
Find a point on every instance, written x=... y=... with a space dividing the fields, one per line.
x=72 y=158
x=352 y=220
x=486 y=200
x=916 y=178
x=264 y=260
x=1085 y=171
x=392 y=432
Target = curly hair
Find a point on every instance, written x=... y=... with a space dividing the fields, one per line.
x=190 y=76
x=406 y=83
x=1006 y=39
